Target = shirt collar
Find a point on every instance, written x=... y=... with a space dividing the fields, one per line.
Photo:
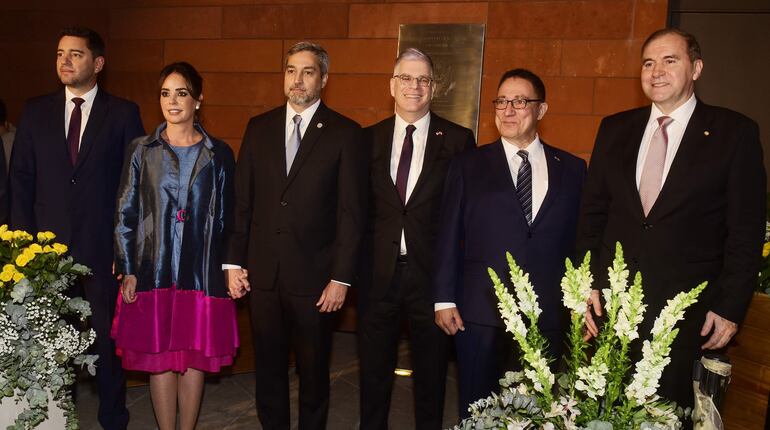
x=421 y=125
x=680 y=115
x=534 y=149
x=88 y=97
x=306 y=114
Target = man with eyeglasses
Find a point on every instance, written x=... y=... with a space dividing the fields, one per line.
x=410 y=157
x=518 y=195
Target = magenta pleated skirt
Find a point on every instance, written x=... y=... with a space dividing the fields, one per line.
x=170 y=329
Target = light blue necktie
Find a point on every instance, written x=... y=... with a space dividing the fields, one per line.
x=292 y=146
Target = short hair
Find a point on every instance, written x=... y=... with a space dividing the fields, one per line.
x=693 y=47
x=94 y=42
x=188 y=72
x=3 y=112
x=414 y=54
x=527 y=75
x=318 y=50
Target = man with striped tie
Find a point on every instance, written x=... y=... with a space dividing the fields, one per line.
x=518 y=195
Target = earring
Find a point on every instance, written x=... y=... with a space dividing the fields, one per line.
x=198 y=106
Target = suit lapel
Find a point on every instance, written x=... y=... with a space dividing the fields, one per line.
x=56 y=126
x=383 y=148
x=555 y=173
x=634 y=136
x=96 y=119
x=678 y=175
x=314 y=130
x=501 y=174
x=433 y=143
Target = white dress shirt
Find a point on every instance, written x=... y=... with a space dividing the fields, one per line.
x=675 y=130
x=85 y=109
x=306 y=115
x=419 y=142
x=539 y=167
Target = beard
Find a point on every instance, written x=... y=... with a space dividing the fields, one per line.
x=303 y=99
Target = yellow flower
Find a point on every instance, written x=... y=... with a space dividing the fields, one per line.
x=18 y=276
x=6 y=276
x=59 y=248
x=22 y=260
x=21 y=235
x=9 y=268
x=45 y=236
x=766 y=249
x=34 y=248
x=6 y=236
x=3 y=228
x=48 y=248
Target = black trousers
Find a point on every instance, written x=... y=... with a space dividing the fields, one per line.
x=101 y=291
x=281 y=321
x=378 y=337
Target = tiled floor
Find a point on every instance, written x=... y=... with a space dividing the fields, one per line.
x=228 y=402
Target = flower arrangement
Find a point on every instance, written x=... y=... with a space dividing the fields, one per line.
x=37 y=344
x=599 y=392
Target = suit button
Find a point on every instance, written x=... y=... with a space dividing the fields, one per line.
x=284 y=204
x=278 y=231
x=529 y=235
x=73 y=181
x=646 y=226
x=405 y=213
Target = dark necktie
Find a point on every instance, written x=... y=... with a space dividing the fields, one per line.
x=73 y=135
x=524 y=185
x=402 y=175
x=652 y=172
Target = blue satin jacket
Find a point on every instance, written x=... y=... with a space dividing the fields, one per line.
x=147 y=209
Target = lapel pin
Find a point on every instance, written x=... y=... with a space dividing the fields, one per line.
x=320 y=124
x=706 y=133
x=439 y=133
x=556 y=158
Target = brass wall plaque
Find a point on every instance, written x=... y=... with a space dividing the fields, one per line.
x=457 y=51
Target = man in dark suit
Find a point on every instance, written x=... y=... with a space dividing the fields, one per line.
x=66 y=164
x=410 y=156
x=301 y=184
x=516 y=195
x=681 y=185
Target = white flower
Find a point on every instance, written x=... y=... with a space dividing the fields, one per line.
x=576 y=286
x=525 y=293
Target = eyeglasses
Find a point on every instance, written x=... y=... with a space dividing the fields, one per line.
x=406 y=80
x=502 y=103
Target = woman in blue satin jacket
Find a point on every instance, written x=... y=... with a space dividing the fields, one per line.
x=174 y=318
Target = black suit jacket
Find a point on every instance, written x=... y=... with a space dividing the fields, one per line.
x=419 y=217
x=77 y=203
x=482 y=219
x=707 y=224
x=306 y=228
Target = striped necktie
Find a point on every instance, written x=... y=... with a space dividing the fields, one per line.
x=524 y=185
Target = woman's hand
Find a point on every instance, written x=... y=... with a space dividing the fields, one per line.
x=128 y=288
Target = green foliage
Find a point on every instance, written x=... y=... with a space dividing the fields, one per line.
x=38 y=347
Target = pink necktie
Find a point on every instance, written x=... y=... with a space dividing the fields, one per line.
x=652 y=173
